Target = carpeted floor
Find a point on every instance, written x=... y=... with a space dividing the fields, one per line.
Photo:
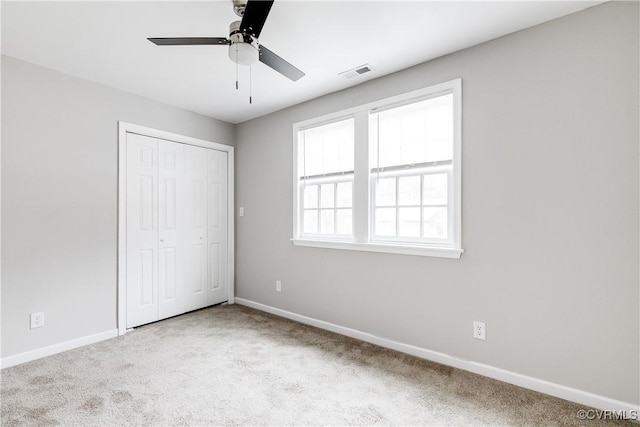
x=232 y=365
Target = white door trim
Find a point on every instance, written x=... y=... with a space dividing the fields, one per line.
x=123 y=128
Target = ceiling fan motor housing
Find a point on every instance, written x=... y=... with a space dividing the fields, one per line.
x=244 y=49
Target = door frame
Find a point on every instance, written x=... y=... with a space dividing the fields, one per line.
x=123 y=129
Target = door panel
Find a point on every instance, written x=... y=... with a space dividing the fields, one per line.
x=147 y=278
x=168 y=277
x=142 y=236
x=217 y=234
x=194 y=227
x=171 y=251
x=146 y=202
x=214 y=266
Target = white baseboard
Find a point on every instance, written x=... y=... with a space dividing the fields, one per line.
x=38 y=353
x=542 y=386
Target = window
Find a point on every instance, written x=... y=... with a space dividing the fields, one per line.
x=326 y=183
x=413 y=164
x=384 y=176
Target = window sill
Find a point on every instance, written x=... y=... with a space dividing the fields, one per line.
x=418 y=250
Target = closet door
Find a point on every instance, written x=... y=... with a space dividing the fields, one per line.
x=176 y=228
x=142 y=230
x=194 y=228
x=217 y=227
x=170 y=248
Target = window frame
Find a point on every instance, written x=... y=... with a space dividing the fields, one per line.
x=419 y=172
x=363 y=209
x=299 y=184
x=319 y=181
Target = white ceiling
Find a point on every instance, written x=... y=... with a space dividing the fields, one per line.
x=106 y=42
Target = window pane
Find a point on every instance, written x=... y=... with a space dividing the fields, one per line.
x=326 y=221
x=327 y=149
x=386 y=192
x=434 y=189
x=344 y=221
x=385 y=222
x=310 y=225
x=409 y=190
x=327 y=199
x=434 y=222
x=415 y=133
x=344 y=196
x=409 y=222
x=311 y=196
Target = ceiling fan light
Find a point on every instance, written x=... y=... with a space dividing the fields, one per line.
x=244 y=53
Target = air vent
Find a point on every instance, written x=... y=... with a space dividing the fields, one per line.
x=355 y=72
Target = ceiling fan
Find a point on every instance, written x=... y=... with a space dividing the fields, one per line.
x=244 y=48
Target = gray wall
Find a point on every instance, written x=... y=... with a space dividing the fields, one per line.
x=550 y=216
x=59 y=199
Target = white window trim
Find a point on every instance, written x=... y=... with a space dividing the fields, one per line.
x=362 y=185
x=405 y=249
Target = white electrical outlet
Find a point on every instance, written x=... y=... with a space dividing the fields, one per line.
x=37 y=320
x=278 y=286
x=479 y=331
x=241 y=211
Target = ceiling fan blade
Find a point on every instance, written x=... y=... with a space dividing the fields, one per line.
x=255 y=14
x=280 y=65
x=179 y=41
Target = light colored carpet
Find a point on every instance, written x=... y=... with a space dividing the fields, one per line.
x=231 y=365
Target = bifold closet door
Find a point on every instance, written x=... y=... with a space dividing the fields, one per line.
x=177 y=228
x=194 y=232
x=171 y=250
x=142 y=230
x=217 y=227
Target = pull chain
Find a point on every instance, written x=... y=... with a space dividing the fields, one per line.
x=250 y=86
x=236 y=67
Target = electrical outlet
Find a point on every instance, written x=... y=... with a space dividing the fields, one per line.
x=278 y=286
x=241 y=211
x=37 y=320
x=479 y=331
